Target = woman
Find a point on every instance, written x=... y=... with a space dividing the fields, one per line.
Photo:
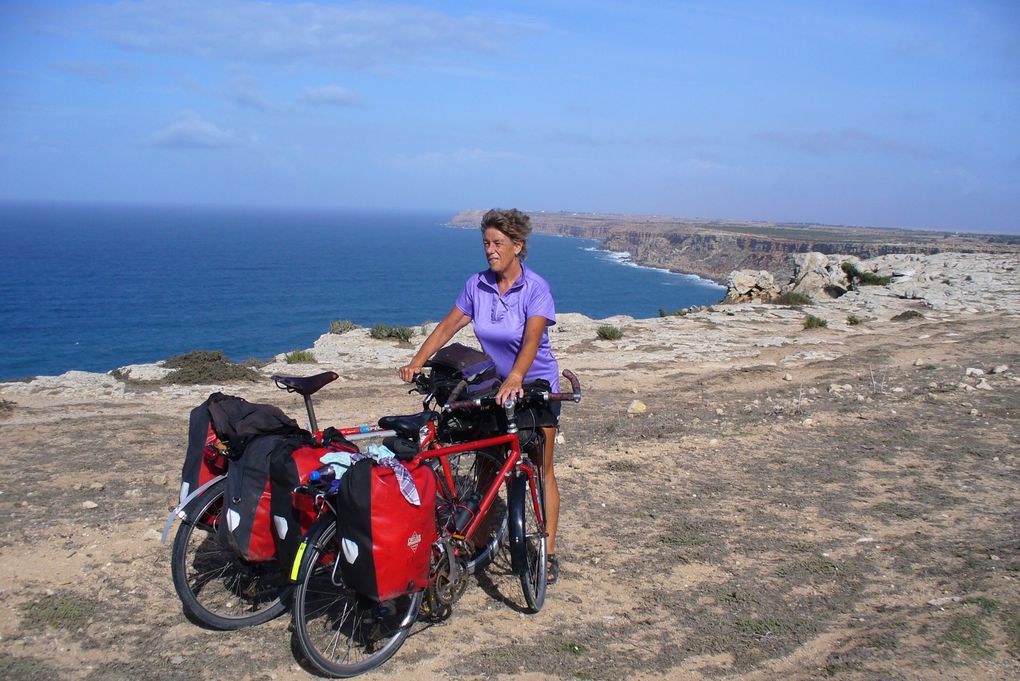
x=512 y=308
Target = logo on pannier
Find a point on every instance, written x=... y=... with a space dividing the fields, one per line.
x=413 y=541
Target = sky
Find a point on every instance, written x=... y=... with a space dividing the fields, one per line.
x=880 y=113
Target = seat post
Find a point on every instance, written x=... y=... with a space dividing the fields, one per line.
x=311 y=414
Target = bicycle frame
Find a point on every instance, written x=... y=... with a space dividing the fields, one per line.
x=516 y=464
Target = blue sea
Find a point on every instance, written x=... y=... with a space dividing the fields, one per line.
x=95 y=287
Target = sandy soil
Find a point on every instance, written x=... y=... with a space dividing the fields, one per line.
x=798 y=504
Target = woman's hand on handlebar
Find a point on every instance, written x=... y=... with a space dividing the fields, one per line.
x=408 y=372
x=512 y=387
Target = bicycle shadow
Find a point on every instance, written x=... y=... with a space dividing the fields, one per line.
x=500 y=568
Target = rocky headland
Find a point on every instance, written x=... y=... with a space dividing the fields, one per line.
x=747 y=494
x=714 y=248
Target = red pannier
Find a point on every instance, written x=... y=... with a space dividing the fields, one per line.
x=385 y=541
x=279 y=518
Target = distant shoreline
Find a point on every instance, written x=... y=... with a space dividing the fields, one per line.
x=711 y=249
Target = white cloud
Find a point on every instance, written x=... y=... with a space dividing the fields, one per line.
x=335 y=95
x=192 y=131
x=363 y=35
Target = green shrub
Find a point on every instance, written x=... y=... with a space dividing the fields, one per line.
x=813 y=322
x=341 y=326
x=853 y=320
x=682 y=312
x=608 y=332
x=908 y=315
x=206 y=366
x=301 y=357
x=401 y=333
x=863 y=278
x=792 y=298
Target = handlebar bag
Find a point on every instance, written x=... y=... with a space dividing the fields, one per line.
x=455 y=363
x=385 y=541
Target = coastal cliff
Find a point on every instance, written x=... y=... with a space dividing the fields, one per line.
x=713 y=249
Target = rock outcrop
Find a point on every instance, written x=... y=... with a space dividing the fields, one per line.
x=745 y=286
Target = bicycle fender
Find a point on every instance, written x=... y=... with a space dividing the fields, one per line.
x=515 y=500
x=311 y=539
x=178 y=512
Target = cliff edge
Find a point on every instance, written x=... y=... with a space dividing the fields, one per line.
x=714 y=248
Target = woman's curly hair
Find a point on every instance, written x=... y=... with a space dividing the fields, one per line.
x=513 y=223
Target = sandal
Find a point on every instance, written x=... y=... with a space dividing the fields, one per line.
x=552 y=569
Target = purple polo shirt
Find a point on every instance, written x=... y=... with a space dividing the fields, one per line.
x=499 y=320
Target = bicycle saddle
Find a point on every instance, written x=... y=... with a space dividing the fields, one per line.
x=407 y=426
x=304 y=385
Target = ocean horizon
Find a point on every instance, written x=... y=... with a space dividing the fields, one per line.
x=95 y=287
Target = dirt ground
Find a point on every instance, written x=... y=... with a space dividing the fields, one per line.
x=850 y=518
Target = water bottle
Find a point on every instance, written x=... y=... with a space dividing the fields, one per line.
x=466 y=511
x=322 y=476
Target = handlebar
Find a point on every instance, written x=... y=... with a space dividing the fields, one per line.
x=545 y=396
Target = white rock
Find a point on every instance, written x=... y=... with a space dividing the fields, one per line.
x=918 y=362
x=89 y=504
x=972 y=371
x=788 y=377
x=1000 y=369
x=945 y=600
x=983 y=385
x=636 y=407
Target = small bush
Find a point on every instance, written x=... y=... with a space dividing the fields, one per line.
x=793 y=299
x=813 y=322
x=608 y=332
x=863 y=278
x=401 y=333
x=206 y=366
x=341 y=326
x=6 y=407
x=853 y=320
x=906 y=316
x=682 y=312
x=301 y=357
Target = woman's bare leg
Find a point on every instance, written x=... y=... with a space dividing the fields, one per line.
x=552 y=492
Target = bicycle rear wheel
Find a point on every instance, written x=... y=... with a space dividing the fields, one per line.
x=217 y=589
x=528 y=539
x=473 y=472
x=340 y=632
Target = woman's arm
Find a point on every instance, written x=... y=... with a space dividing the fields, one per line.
x=454 y=321
x=512 y=384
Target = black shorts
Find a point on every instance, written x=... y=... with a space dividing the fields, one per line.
x=546 y=416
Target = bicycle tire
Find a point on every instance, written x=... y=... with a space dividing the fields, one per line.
x=528 y=554
x=473 y=471
x=217 y=589
x=340 y=632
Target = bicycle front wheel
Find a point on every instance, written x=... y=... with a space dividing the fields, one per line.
x=217 y=589
x=528 y=538
x=340 y=632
